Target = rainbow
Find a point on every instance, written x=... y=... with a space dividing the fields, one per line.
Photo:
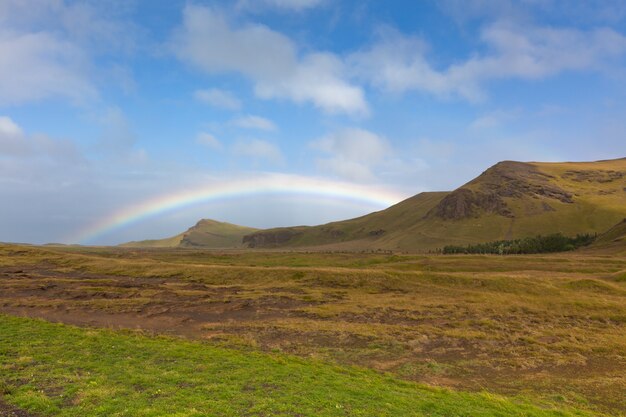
x=262 y=184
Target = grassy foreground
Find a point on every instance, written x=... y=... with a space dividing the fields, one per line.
x=547 y=328
x=54 y=369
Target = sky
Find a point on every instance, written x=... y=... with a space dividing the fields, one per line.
x=129 y=120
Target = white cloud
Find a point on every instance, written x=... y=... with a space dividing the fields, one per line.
x=12 y=138
x=47 y=48
x=532 y=53
x=208 y=140
x=207 y=41
x=9 y=129
x=353 y=153
x=39 y=65
x=317 y=78
x=289 y=5
x=218 y=98
x=269 y=59
x=254 y=122
x=397 y=63
x=101 y=25
x=259 y=149
x=22 y=149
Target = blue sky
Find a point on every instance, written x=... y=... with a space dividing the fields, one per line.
x=107 y=104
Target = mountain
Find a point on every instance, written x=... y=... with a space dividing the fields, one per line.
x=206 y=234
x=509 y=200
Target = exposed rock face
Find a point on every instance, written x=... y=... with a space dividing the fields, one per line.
x=464 y=203
x=268 y=239
x=600 y=176
x=486 y=193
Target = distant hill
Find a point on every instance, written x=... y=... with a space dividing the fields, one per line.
x=206 y=233
x=510 y=200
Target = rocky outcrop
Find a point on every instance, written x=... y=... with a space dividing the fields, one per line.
x=464 y=203
x=600 y=176
x=270 y=238
x=487 y=193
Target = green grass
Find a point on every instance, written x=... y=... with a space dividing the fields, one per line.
x=60 y=370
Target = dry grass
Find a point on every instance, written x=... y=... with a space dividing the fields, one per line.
x=549 y=327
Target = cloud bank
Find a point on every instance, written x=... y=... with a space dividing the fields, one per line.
x=206 y=40
x=399 y=63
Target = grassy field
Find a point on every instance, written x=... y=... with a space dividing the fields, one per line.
x=65 y=371
x=496 y=332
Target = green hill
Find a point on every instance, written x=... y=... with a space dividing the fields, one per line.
x=510 y=200
x=359 y=233
x=206 y=233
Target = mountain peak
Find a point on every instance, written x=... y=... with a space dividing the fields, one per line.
x=488 y=193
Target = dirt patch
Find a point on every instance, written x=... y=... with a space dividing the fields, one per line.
x=293 y=341
x=7 y=410
x=160 y=305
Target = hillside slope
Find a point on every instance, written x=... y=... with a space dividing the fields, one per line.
x=616 y=234
x=509 y=200
x=206 y=233
x=613 y=241
x=358 y=233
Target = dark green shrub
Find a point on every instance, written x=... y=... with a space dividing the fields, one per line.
x=556 y=242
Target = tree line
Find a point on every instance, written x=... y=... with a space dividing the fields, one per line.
x=556 y=242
